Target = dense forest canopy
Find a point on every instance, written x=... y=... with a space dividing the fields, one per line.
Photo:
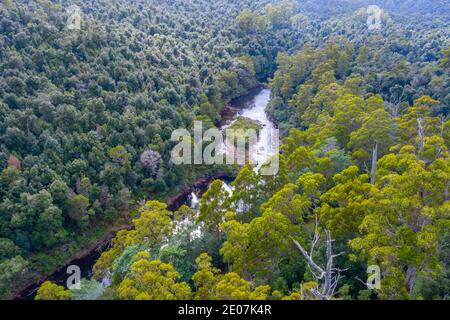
x=325 y=8
x=86 y=118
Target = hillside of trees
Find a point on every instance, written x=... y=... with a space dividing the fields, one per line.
x=86 y=119
x=86 y=116
x=417 y=8
x=359 y=185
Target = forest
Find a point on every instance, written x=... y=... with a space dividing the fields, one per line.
x=86 y=118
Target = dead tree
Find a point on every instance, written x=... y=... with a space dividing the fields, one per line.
x=151 y=159
x=327 y=276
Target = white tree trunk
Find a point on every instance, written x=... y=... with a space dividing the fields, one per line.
x=374 y=163
x=328 y=275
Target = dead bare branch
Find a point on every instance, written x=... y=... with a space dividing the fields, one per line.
x=328 y=276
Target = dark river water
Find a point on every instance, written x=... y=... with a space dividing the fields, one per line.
x=251 y=105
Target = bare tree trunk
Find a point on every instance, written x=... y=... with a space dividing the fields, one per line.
x=421 y=135
x=410 y=278
x=438 y=154
x=328 y=287
x=374 y=163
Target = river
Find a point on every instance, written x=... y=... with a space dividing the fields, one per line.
x=252 y=106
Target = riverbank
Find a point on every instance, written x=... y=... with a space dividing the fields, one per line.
x=231 y=109
x=174 y=203
x=90 y=253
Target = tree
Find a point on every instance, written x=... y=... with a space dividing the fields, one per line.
x=51 y=291
x=323 y=74
x=152 y=280
x=213 y=206
x=151 y=228
x=150 y=160
x=122 y=264
x=153 y=225
x=376 y=131
x=78 y=210
x=233 y=287
x=206 y=278
x=445 y=61
x=417 y=123
x=288 y=202
x=268 y=242
x=344 y=206
x=270 y=184
x=89 y=290
x=253 y=249
x=120 y=155
x=8 y=249
x=10 y=270
x=311 y=186
x=300 y=161
x=300 y=22
x=49 y=227
x=236 y=244
x=246 y=21
x=400 y=231
x=14 y=162
x=9 y=175
x=84 y=187
x=348 y=115
x=245 y=195
x=279 y=14
x=60 y=194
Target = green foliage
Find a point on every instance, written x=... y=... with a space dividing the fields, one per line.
x=232 y=287
x=377 y=128
x=151 y=227
x=152 y=280
x=400 y=231
x=8 y=249
x=244 y=124
x=205 y=279
x=77 y=109
x=254 y=248
x=245 y=197
x=213 y=206
x=79 y=209
x=10 y=270
x=51 y=291
x=121 y=266
x=89 y=290
x=344 y=206
x=86 y=121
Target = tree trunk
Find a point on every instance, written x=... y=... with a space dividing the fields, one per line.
x=421 y=134
x=374 y=163
x=410 y=278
